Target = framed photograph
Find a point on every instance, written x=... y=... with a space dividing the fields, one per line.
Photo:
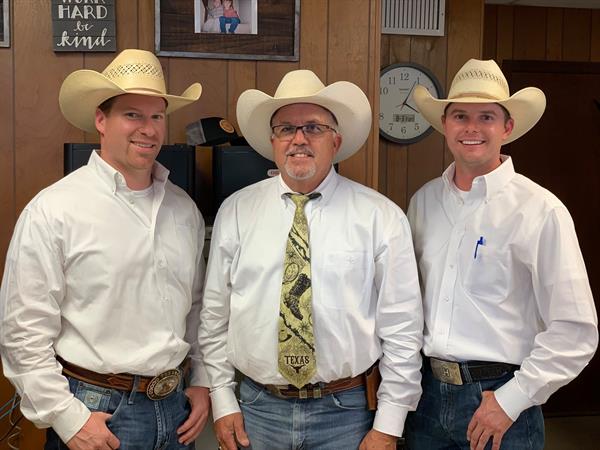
x=228 y=29
x=4 y=23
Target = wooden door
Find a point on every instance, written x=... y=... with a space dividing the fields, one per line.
x=562 y=153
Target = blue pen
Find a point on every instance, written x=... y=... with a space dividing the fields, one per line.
x=481 y=241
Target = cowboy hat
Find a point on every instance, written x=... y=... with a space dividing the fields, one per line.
x=343 y=99
x=131 y=72
x=483 y=82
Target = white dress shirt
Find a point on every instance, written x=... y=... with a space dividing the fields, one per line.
x=366 y=299
x=503 y=280
x=106 y=286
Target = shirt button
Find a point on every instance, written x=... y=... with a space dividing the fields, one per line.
x=131 y=201
x=452 y=266
x=446 y=299
x=161 y=263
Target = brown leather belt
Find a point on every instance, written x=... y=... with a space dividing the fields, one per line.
x=316 y=390
x=156 y=388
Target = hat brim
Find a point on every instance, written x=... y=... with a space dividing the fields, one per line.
x=525 y=107
x=346 y=101
x=84 y=90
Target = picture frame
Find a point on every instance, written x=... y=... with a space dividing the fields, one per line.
x=4 y=23
x=270 y=30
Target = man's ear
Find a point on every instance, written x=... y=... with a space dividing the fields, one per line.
x=508 y=128
x=337 y=143
x=100 y=121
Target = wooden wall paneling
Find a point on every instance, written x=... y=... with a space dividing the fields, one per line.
x=384 y=61
x=595 y=37
x=397 y=155
x=576 y=34
x=529 y=32
x=347 y=59
x=145 y=24
x=40 y=127
x=373 y=92
x=504 y=41
x=314 y=37
x=241 y=75
x=554 y=32
x=270 y=73
x=490 y=30
x=426 y=157
x=465 y=40
x=7 y=152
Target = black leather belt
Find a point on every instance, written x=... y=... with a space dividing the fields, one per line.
x=464 y=372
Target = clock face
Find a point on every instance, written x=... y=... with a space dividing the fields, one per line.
x=399 y=119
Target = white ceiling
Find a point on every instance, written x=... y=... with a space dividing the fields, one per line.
x=588 y=4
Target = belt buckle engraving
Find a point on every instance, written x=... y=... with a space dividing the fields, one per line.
x=162 y=385
x=446 y=371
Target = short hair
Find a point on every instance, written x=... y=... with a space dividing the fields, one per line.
x=107 y=104
x=335 y=122
x=504 y=110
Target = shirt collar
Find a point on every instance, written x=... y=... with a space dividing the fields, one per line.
x=115 y=180
x=326 y=188
x=485 y=185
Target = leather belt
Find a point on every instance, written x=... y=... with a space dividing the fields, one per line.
x=459 y=373
x=156 y=388
x=316 y=390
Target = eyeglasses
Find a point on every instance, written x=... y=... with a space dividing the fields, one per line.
x=310 y=130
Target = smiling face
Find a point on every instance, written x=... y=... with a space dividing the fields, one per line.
x=474 y=134
x=132 y=132
x=305 y=162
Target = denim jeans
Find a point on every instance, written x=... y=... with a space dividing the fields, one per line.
x=232 y=21
x=334 y=422
x=445 y=410
x=138 y=422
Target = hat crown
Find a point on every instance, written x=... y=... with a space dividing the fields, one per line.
x=299 y=83
x=479 y=79
x=136 y=70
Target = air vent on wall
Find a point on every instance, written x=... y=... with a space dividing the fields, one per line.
x=422 y=17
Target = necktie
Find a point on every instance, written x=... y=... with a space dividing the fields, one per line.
x=296 y=358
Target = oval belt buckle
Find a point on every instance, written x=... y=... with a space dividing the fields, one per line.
x=162 y=385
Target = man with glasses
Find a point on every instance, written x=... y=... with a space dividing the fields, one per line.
x=311 y=282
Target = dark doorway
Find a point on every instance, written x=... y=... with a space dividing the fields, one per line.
x=562 y=153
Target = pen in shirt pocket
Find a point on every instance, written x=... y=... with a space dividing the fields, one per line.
x=481 y=241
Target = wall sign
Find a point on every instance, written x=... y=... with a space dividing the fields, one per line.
x=84 y=26
x=4 y=23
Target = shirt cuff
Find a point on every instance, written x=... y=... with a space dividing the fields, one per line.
x=199 y=377
x=71 y=420
x=223 y=402
x=512 y=399
x=389 y=419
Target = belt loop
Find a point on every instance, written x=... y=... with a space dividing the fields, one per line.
x=136 y=383
x=465 y=372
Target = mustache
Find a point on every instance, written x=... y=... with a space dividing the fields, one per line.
x=298 y=150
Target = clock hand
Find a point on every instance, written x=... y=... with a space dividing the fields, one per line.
x=409 y=92
x=412 y=108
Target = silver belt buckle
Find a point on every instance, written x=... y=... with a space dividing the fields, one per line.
x=162 y=385
x=446 y=371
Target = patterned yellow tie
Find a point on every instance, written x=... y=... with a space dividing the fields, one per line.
x=296 y=339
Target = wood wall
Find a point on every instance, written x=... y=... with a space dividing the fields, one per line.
x=533 y=33
x=339 y=39
x=405 y=168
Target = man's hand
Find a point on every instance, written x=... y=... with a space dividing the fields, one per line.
x=230 y=429
x=200 y=403
x=489 y=421
x=94 y=435
x=376 y=440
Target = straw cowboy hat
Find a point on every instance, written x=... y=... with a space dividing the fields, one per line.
x=131 y=72
x=483 y=82
x=343 y=99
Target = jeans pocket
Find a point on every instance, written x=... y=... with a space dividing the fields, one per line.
x=249 y=393
x=95 y=398
x=351 y=399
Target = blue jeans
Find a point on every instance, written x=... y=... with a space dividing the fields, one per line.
x=232 y=21
x=445 y=410
x=138 y=422
x=334 y=422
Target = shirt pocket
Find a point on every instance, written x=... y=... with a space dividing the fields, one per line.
x=344 y=275
x=487 y=274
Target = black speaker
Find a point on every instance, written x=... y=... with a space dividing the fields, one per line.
x=235 y=167
x=180 y=159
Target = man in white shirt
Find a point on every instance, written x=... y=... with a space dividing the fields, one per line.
x=509 y=313
x=101 y=292
x=311 y=280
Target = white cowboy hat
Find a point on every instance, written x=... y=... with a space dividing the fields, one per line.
x=483 y=82
x=131 y=72
x=345 y=100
